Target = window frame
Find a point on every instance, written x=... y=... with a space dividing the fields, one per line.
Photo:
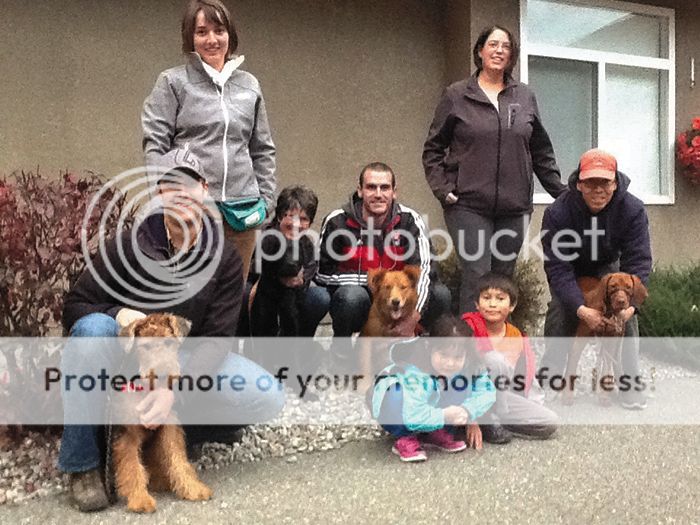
x=601 y=59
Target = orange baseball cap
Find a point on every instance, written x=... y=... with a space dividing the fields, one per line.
x=597 y=164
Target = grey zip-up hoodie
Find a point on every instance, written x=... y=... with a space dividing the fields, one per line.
x=486 y=156
x=225 y=127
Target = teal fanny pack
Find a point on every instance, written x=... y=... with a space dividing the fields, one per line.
x=243 y=214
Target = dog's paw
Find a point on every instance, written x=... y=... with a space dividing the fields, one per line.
x=196 y=491
x=141 y=503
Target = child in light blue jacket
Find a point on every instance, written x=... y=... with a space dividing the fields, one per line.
x=432 y=386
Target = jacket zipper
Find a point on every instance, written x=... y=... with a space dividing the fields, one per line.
x=498 y=158
x=223 y=142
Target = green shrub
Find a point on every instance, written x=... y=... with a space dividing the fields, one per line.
x=673 y=310
x=530 y=310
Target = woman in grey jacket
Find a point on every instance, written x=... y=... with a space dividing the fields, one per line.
x=217 y=111
x=484 y=143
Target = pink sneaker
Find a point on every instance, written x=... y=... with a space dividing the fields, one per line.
x=408 y=448
x=444 y=440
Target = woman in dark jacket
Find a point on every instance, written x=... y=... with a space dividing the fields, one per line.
x=484 y=143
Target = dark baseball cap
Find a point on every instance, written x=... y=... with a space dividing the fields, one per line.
x=179 y=162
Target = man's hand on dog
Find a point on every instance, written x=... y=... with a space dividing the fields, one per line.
x=155 y=407
x=594 y=319
x=626 y=314
x=455 y=415
x=126 y=316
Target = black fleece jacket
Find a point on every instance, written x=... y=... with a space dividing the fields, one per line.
x=212 y=310
x=486 y=156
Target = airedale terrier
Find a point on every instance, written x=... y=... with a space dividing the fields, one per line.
x=156 y=458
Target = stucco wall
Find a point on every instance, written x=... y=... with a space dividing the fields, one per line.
x=345 y=82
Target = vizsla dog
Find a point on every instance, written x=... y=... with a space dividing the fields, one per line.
x=611 y=296
x=392 y=314
x=157 y=458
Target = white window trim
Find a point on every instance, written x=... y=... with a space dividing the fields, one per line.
x=601 y=58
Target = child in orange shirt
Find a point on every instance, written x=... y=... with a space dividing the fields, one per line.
x=507 y=353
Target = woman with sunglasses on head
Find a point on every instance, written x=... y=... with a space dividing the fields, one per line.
x=484 y=143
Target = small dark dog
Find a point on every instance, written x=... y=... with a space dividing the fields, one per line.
x=281 y=290
x=155 y=459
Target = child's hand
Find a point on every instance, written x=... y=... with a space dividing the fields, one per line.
x=455 y=415
x=474 y=437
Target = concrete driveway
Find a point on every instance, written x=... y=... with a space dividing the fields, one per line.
x=593 y=474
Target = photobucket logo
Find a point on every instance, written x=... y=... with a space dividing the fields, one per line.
x=505 y=244
x=131 y=269
x=472 y=243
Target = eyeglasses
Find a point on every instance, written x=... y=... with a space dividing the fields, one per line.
x=495 y=44
x=594 y=184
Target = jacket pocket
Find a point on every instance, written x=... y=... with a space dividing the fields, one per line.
x=451 y=170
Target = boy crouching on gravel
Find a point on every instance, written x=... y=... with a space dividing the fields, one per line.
x=508 y=355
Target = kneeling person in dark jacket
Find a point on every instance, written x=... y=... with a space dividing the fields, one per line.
x=611 y=228
x=174 y=260
x=287 y=263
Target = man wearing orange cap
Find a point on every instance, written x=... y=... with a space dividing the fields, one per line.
x=594 y=228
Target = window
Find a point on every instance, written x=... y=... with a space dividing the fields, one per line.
x=604 y=76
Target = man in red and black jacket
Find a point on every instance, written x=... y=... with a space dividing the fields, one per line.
x=372 y=231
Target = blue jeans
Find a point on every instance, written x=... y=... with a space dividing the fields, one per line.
x=81 y=447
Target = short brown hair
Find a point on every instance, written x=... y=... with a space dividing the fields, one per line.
x=296 y=198
x=215 y=12
x=380 y=167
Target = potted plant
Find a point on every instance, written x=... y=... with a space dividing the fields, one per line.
x=688 y=152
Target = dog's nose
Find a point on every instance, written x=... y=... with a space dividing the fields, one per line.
x=395 y=302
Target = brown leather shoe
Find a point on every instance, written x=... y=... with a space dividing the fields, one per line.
x=88 y=491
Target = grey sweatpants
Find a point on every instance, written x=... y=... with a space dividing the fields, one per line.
x=517 y=413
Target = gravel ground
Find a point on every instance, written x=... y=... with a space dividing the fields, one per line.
x=29 y=470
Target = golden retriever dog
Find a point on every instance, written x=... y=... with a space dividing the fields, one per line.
x=610 y=295
x=392 y=314
x=152 y=458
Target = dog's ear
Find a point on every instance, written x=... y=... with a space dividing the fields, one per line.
x=413 y=273
x=374 y=279
x=180 y=326
x=599 y=296
x=639 y=291
x=130 y=331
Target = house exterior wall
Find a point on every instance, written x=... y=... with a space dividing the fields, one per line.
x=346 y=83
